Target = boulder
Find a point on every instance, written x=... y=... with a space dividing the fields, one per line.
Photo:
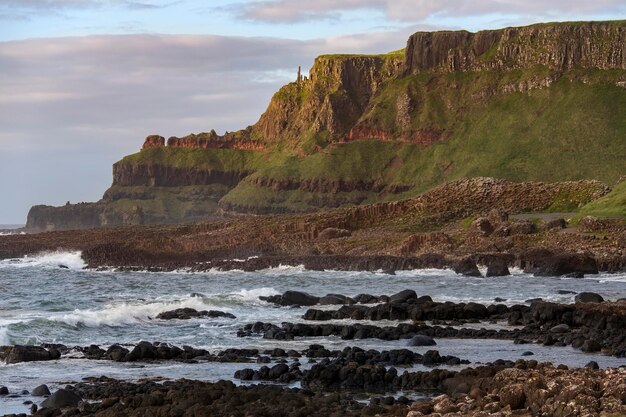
x=498 y=268
x=591 y=346
x=483 y=225
x=560 y=328
x=41 y=391
x=403 y=296
x=4 y=391
x=542 y=262
x=30 y=354
x=278 y=370
x=61 y=399
x=588 y=297
x=422 y=340
x=298 y=298
x=467 y=267
x=513 y=396
x=331 y=299
x=592 y=365
x=188 y=313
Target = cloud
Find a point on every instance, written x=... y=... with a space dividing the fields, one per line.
x=53 y=6
x=286 y=11
x=71 y=107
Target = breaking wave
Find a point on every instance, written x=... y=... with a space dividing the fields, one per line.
x=57 y=259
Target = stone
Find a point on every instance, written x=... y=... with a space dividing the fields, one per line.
x=467 y=267
x=513 y=396
x=62 y=398
x=588 y=297
x=560 y=328
x=298 y=298
x=4 y=391
x=422 y=340
x=41 y=391
x=21 y=353
x=403 y=296
x=592 y=365
x=591 y=346
x=498 y=268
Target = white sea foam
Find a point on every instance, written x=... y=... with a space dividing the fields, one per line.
x=4 y=336
x=57 y=259
x=11 y=233
x=254 y=294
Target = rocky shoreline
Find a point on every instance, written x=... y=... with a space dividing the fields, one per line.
x=318 y=381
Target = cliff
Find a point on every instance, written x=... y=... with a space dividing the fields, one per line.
x=537 y=103
x=559 y=47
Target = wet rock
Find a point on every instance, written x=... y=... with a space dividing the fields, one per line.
x=188 y=313
x=41 y=391
x=4 y=391
x=403 y=296
x=331 y=299
x=467 y=267
x=592 y=365
x=498 y=268
x=62 y=398
x=19 y=353
x=542 y=262
x=588 y=297
x=422 y=340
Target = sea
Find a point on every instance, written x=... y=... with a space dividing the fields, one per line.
x=53 y=298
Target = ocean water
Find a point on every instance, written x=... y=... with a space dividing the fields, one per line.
x=52 y=298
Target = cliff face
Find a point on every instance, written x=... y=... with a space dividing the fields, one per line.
x=537 y=103
x=559 y=47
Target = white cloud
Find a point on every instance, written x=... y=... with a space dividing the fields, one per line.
x=419 y=10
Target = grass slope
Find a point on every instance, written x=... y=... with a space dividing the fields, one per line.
x=612 y=204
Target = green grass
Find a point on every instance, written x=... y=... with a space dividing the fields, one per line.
x=226 y=160
x=612 y=204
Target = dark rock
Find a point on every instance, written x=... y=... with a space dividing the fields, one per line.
x=298 y=298
x=527 y=353
x=188 y=313
x=331 y=299
x=62 y=398
x=498 y=268
x=542 y=262
x=41 y=391
x=467 y=267
x=20 y=353
x=564 y=292
x=591 y=346
x=574 y=275
x=403 y=296
x=592 y=365
x=278 y=370
x=588 y=297
x=499 y=300
x=4 y=391
x=422 y=340
x=560 y=328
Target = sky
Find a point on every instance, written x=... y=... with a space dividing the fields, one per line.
x=83 y=82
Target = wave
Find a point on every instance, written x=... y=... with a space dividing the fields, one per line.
x=57 y=259
x=11 y=233
x=4 y=336
x=129 y=313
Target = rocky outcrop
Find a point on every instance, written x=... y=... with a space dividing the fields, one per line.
x=155 y=175
x=557 y=46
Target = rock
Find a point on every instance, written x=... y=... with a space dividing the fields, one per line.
x=365 y=299
x=588 y=297
x=188 y=313
x=20 y=353
x=499 y=300
x=403 y=296
x=574 y=275
x=513 y=396
x=331 y=299
x=333 y=233
x=4 y=391
x=498 y=268
x=555 y=224
x=422 y=340
x=591 y=346
x=62 y=398
x=467 y=267
x=560 y=328
x=522 y=227
x=564 y=292
x=527 y=353
x=278 y=370
x=592 y=365
x=483 y=225
x=41 y=391
x=298 y=298
x=543 y=262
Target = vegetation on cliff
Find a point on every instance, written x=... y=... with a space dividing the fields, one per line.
x=542 y=103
